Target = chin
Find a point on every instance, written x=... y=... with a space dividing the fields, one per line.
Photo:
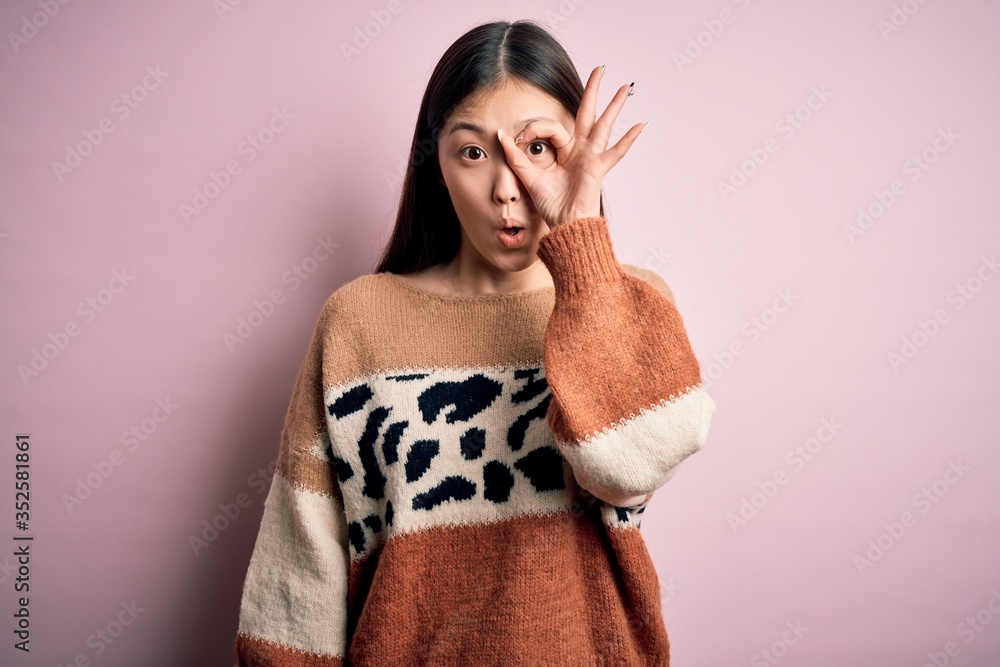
x=519 y=263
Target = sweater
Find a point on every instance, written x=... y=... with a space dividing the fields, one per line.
x=449 y=467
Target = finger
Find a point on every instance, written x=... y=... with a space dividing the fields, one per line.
x=611 y=156
x=587 y=112
x=550 y=130
x=601 y=133
x=517 y=160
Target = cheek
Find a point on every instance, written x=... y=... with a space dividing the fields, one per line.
x=470 y=201
x=469 y=188
x=462 y=195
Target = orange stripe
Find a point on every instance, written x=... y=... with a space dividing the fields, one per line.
x=258 y=652
x=558 y=589
x=614 y=345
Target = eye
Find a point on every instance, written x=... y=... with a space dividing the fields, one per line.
x=477 y=149
x=540 y=144
x=541 y=153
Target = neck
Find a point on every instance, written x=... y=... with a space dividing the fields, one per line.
x=471 y=276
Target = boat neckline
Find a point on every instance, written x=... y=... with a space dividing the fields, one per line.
x=468 y=297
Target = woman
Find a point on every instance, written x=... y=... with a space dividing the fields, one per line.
x=478 y=425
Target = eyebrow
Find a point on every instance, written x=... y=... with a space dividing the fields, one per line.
x=466 y=125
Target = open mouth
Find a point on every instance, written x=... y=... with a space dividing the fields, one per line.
x=512 y=237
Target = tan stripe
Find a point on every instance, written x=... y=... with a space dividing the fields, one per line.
x=527 y=591
x=413 y=328
x=310 y=469
x=257 y=651
x=304 y=433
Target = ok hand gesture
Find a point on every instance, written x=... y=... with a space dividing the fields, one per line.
x=570 y=188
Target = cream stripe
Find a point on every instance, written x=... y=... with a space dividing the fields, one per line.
x=492 y=426
x=403 y=398
x=639 y=455
x=296 y=585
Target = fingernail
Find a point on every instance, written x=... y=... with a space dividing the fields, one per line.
x=644 y=125
x=602 y=69
x=519 y=137
x=631 y=88
x=500 y=134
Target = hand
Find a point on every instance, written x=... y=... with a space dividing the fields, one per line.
x=570 y=188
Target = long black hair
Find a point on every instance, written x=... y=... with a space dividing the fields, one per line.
x=427 y=230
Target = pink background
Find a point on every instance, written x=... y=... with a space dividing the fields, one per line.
x=332 y=172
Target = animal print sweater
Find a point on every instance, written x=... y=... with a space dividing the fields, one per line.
x=460 y=479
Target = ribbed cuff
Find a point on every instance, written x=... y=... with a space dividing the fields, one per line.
x=579 y=253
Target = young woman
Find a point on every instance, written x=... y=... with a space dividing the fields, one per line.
x=478 y=425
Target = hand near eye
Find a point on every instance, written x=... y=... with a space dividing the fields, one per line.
x=570 y=188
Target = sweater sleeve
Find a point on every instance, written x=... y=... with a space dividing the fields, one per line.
x=293 y=607
x=627 y=405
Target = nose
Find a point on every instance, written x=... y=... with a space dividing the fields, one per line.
x=508 y=187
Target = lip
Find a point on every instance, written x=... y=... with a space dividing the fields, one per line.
x=513 y=242
x=510 y=222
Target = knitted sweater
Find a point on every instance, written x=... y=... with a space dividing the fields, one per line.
x=449 y=466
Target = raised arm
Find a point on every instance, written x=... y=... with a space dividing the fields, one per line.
x=627 y=405
x=293 y=608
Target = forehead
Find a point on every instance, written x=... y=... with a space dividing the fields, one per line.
x=512 y=105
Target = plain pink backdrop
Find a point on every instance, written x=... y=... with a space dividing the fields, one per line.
x=770 y=269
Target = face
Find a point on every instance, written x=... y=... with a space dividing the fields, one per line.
x=482 y=186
